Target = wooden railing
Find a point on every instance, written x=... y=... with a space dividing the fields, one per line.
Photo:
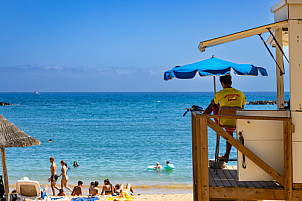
x=200 y=123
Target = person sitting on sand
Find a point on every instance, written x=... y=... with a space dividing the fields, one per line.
x=94 y=190
x=158 y=166
x=118 y=188
x=91 y=187
x=107 y=188
x=77 y=190
x=61 y=193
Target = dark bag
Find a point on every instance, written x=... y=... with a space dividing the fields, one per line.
x=193 y=108
x=2 y=189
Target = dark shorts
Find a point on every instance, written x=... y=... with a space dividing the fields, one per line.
x=54 y=178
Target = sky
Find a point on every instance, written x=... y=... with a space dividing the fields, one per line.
x=126 y=45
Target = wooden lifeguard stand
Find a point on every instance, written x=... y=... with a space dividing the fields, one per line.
x=273 y=153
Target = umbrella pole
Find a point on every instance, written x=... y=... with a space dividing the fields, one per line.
x=214 y=84
x=5 y=174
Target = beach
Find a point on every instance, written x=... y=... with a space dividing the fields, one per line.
x=111 y=135
x=163 y=193
x=163 y=197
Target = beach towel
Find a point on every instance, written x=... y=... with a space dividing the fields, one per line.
x=85 y=199
x=60 y=198
x=123 y=196
x=114 y=198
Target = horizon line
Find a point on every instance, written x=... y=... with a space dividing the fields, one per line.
x=121 y=91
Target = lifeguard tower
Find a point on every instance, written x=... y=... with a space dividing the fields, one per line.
x=269 y=165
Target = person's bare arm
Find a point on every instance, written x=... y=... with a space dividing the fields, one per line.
x=73 y=191
x=81 y=193
x=102 y=193
x=209 y=109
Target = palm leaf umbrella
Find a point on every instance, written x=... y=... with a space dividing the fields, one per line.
x=12 y=136
x=213 y=67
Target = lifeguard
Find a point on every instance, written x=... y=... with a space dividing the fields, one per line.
x=227 y=97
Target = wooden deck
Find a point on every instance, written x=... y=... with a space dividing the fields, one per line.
x=208 y=186
x=228 y=178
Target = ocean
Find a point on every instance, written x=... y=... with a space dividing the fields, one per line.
x=110 y=135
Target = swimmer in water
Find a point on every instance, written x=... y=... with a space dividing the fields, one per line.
x=158 y=166
x=75 y=164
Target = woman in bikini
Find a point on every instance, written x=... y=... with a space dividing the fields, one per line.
x=107 y=188
x=64 y=179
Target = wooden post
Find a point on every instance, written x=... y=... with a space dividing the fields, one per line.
x=194 y=149
x=288 y=173
x=198 y=161
x=203 y=169
x=5 y=173
x=214 y=84
x=280 y=79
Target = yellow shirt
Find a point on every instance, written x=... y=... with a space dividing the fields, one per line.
x=229 y=97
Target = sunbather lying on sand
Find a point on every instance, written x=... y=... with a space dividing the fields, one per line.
x=120 y=188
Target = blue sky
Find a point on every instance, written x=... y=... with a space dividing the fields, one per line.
x=121 y=45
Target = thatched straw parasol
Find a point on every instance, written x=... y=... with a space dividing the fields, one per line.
x=12 y=136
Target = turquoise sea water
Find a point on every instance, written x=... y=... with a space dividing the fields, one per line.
x=110 y=135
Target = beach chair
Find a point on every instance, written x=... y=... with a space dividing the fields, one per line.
x=219 y=163
x=27 y=189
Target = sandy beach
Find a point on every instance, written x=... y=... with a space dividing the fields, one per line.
x=162 y=197
x=177 y=193
x=158 y=197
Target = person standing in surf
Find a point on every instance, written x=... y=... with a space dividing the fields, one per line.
x=53 y=176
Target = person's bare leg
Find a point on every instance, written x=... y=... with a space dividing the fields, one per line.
x=67 y=186
x=62 y=184
x=129 y=187
x=228 y=147
x=122 y=187
x=53 y=187
x=53 y=190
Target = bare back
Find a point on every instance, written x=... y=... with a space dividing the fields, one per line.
x=53 y=168
x=107 y=190
x=77 y=190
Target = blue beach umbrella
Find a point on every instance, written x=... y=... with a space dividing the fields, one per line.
x=213 y=67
